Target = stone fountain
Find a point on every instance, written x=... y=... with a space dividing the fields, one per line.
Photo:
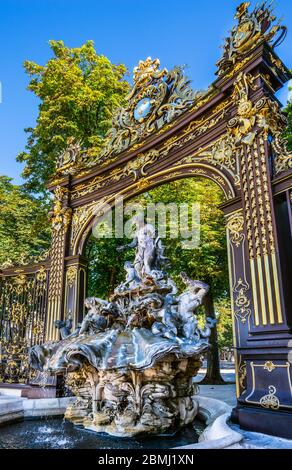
x=131 y=363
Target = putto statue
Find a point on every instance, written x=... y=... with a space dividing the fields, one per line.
x=131 y=363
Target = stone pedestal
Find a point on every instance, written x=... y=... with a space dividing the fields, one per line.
x=127 y=402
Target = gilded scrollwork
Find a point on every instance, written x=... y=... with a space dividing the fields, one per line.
x=157 y=98
x=14 y=360
x=278 y=64
x=242 y=374
x=71 y=276
x=18 y=313
x=137 y=167
x=70 y=160
x=242 y=303
x=270 y=401
x=235 y=225
x=21 y=324
x=251 y=29
x=283 y=160
x=221 y=154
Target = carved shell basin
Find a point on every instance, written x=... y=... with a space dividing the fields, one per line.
x=136 y=349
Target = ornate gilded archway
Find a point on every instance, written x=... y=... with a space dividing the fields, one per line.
x=230 y=133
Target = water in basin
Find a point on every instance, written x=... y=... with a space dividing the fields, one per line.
x=60 y=434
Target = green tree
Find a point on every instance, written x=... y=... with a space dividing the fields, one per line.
x=225 y=331
x=24 y=225
x=78 y=92
x=207 y=262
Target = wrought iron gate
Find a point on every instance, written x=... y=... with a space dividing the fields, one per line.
x=23 y=304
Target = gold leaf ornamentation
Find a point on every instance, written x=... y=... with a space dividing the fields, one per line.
x=235 y=225
x=251 y=29
x=157 y=98
x=270 y=401
x=270 y=366
x=71 y=276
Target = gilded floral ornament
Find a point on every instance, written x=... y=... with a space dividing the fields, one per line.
x=60 y=216
x=222 y=153
x=269 y=366
x=242 y=303
x=156 y=99
x=70 y=159
x=272 y=120
x=252 y=28
x=242 y=126
x=235 y=225
x=138 y=166
x=283 y=160
x=71 y=275
x=270 y=401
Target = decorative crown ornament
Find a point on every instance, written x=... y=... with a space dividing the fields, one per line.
x=146 y=69
x=252 y=29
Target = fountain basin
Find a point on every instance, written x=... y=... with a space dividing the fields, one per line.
x=52 y=433
x=36 y=429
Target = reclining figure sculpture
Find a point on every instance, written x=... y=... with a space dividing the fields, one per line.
x=131 y=363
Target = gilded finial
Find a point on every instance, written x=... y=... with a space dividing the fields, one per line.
x=241 y=10
x=145 y=69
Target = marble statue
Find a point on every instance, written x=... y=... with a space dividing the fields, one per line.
x=132 y=361
x=149 y=249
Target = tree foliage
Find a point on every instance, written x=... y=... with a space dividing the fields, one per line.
x=24 y=225
x=78 y=92
x=208 y=262
x=224 y=324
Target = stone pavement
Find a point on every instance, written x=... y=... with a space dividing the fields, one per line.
x=227 y=393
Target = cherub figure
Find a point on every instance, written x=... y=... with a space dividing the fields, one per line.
x=131 y=278
x=99 y=316
x=189 y=301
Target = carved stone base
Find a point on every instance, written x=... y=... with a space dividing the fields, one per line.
x=184 y=411
x=127 y=403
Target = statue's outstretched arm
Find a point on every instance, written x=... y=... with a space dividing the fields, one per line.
x=133 y=244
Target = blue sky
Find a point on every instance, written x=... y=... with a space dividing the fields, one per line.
x=177 y=32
